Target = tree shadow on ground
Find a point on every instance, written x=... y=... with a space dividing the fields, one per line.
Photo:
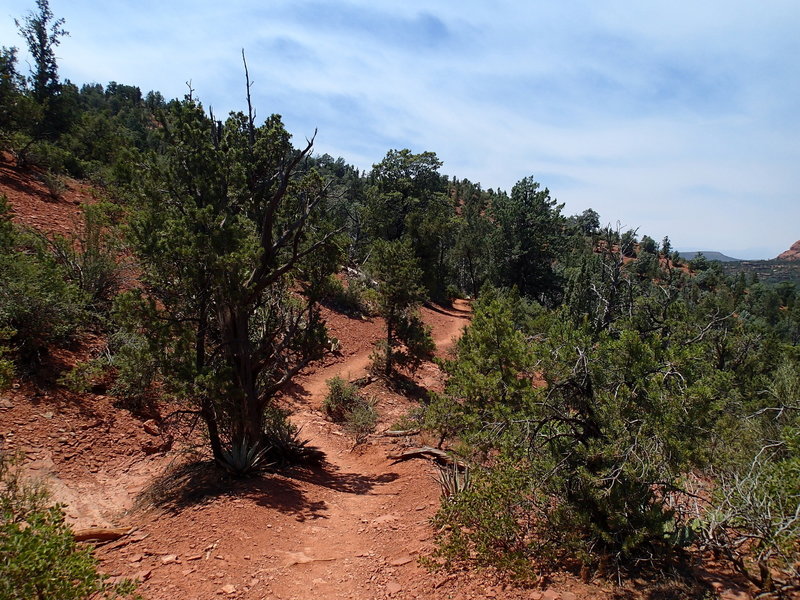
x=405 y=385
x=671 y=582
x=450 y=311
x=296 y=392
x=197 y=482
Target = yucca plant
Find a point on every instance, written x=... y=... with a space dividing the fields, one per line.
x=453 y=479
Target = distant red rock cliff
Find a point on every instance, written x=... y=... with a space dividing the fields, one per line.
x=792 y=253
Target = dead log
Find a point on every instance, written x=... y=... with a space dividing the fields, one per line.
x=363 y=381
x=101 y=534
x=389 y=433
x=440 y=456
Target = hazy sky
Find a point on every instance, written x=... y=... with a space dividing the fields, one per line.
x=680 y=118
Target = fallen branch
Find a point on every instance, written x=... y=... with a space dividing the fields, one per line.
x=389 y=433
x=363 y=381
x=102 y=535
x=440 y=456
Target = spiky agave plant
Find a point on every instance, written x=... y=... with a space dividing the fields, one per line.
x=244 y=458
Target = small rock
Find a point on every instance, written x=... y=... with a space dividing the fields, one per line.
x=551 y=595
x=194 y=557
x=568 y=596
x=143 y=575
x=169 y=559
x=393 y=588
x=151 y=427
x=402 y=560
x=48 y=415
x=229 y=589
x=135 y=558
x=6 y=403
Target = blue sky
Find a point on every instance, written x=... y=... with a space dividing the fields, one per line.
x=680 y=118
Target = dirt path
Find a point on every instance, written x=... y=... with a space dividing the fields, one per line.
x=353 y=528
x=367 y=542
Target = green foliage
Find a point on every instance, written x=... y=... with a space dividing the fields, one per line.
x=527 y=239
x=36 y=302
x=82 y=376
x=218 y=246
x=351 y=297
x=361 y=420
x=491 y=522
x=7 y=370
x=344 y=404
x=340 y=399
x=642 y=373
x=397 y=273
x=38 y=554
x=89 y=257
x=285 y=447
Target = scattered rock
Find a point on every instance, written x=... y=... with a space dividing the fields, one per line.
x=161 y=444
x=151 y=427
x=568 y=596
x=6 y=403
x=393 y=588
x=143 y=575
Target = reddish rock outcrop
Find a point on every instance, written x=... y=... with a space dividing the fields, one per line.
x=792 y=253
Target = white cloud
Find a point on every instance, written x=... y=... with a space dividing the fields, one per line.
x=676 y=116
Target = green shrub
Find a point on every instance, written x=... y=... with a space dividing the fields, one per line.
x=344 y=404
x=361 y=420
x=37 y=303
x=352 y=297
x=83 y=375
x=38 y=554
x=7 y=370
x=89 y=258
x=342 y=397
x=136 y=368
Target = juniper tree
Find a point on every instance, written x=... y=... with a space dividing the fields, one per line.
x=225 y=216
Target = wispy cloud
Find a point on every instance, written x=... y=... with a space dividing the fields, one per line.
x=678 y=117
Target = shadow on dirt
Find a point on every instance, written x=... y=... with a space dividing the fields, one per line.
x=198 y=482
x=450 y=311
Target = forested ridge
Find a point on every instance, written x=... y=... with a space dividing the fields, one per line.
x=611 y=410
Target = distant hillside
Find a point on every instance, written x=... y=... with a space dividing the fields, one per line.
x=710 y=255
x=768 y=271
x=792 y=253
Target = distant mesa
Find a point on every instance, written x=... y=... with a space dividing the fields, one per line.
x=792 y=253
x=710 y=255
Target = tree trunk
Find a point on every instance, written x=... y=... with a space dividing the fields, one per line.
x=387 y=371
x=246 y=417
